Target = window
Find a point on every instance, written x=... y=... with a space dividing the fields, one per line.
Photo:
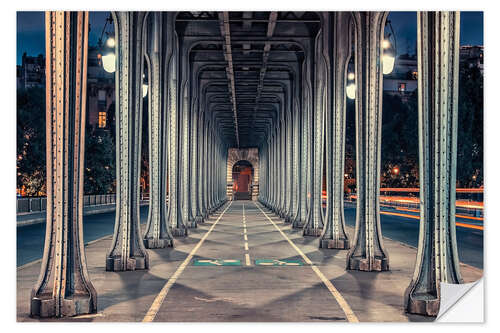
x=101 y=98
x=102 y=119
x=401 y=87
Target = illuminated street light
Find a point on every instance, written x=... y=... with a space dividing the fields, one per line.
x=110 y=42
x=351 y=91
x=350 y=88
x=388 y=51
x=144 y=86
x=109 y=62
x=395 y=170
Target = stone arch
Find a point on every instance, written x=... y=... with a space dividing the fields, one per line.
x=252 y=156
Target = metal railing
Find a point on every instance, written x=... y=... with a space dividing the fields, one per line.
x=39 y=204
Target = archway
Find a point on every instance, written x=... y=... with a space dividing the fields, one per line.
x=242 y=175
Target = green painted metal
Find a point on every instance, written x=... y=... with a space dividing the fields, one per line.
x=278 y=262
x=217 y=262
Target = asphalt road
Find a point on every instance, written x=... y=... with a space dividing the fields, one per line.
x=30 y=239
x=405 y=230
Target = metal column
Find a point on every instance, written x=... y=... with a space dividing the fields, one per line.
x=438 y=68
x=314 y=222
x=334 y=235
x=127 y=250
x=157 y=234
x=367 y=252
x=63 y=287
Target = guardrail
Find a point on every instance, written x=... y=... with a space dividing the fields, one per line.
x=39 y=204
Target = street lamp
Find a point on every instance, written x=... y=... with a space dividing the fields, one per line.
x=350 y=88
x=388 y=51
x=108 y=60
x=144 y=86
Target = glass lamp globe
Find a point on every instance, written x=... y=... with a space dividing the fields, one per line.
x=109 y=62
x=110 y=42
x=351 y=91
x=387 y=63
x=144 y=90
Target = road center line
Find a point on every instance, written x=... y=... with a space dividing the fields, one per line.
x=351 y=317
x=155 y=307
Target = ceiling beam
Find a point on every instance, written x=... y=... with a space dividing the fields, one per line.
x=226 y=36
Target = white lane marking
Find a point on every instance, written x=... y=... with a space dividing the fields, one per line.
x=155 y=307
x=351 y=317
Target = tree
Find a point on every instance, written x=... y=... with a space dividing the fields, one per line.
x=31 y=149
x=99 y=162
x=399 y=141
x=470 y=127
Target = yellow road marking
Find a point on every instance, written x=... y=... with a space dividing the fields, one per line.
x=244 y=231
x=247 y=259
x=245 y=236
x=351 y=317
x=155 y=307
x=246 y=246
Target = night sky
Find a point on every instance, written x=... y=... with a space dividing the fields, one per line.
x=31 y=34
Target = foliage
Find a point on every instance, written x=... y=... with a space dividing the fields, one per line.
x=31 y=170
x=99 y=162
x=399 y=158
x=470 y=127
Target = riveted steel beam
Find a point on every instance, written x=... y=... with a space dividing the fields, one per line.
x=157 y=234
x=171 y=62
x=127 y=250
x=367 y=252
x=63 y=287
x=226 y=35
x=334 y=235
x=438 y=44
x=314 y=222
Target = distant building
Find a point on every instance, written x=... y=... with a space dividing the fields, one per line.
x=100 y=86
x=31 y=72
x=100 y=93
x=403 y=79
x=473 y=55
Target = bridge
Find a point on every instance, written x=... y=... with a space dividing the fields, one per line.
x=246 y=106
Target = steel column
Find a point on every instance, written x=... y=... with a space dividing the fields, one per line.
x=438 y=68
x=367 y=252
x=127 y=250
x=314 y=222
x=157 y=234
x=175 y=222
x=63 y=287
x=334 y=235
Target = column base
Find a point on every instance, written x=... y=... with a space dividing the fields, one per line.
x=298 y=224
x=114 y=264
x=340 y=244
x=192 y=224
x=77 y=305
x=161 y=243
x=362 y=264
x=426 y=305
x=179 y=232
x=199 y=219
x=288 y=219
x=315 y=232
